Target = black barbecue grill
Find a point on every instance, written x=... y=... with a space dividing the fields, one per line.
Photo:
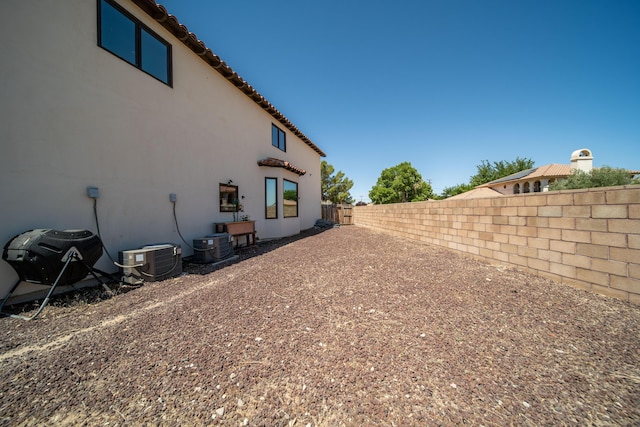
x=52 y=258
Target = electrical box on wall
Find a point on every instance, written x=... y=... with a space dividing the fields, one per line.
x=93 y=192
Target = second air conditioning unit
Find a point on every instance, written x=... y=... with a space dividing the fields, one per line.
x=212 y=248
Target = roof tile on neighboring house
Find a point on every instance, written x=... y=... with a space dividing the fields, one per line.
x=552 y=170
x=538 y=176
x=277 y=163
x=512 y=177
x=477 y=193
x=171 y=24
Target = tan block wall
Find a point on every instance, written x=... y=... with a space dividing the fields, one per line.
x=589 y=239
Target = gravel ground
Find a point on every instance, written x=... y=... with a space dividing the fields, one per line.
x=341 y=327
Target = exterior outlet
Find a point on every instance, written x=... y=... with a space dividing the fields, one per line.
x=93 y=192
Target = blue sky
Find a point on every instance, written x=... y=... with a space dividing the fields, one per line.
x=441 y=84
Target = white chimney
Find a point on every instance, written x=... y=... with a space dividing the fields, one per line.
x=582 y=160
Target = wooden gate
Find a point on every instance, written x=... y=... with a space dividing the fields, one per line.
x=338 y=214
x=345 y=214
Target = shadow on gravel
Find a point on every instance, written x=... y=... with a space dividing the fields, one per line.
x=246 y=252
x=97 y=294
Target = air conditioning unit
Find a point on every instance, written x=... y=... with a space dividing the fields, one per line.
x=150 y=263
x=212 y=248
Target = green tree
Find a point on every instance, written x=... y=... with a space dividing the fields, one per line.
x=399 y=184
x=335 y=188
x=602 y=177
x=455 y=190
x=488 y=172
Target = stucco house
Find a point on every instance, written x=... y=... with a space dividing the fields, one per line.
x=114 y=104
x=536 y=179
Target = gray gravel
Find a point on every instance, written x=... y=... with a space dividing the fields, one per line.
x=342 y=327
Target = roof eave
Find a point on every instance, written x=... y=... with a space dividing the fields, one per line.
x=277 y=163
x=171 y=24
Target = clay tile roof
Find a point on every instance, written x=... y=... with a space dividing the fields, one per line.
x=551 y=170
x=277 y=163
x=171 y=24
x=477 y=193
x=512 y=177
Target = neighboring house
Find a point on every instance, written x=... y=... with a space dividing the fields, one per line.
x=118 y=95
x=534 y=180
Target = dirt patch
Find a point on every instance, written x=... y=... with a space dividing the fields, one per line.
x=343 y=327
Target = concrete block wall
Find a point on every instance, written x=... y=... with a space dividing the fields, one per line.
x=589 y=239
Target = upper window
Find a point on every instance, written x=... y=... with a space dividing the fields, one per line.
x=127 y=38
x=537 y=187
x=525 y=187
x=290 y=198
x=516 y=189
x=278 y=138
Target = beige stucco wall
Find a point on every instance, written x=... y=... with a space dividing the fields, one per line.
x=589 y=239
x=73 y=115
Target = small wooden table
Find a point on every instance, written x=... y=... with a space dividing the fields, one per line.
x=242 y=228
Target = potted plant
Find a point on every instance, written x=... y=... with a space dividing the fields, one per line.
x=241 y=222
x=237 y=207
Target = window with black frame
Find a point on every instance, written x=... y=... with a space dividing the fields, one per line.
x=278 y=138
x=122 y=34
x=290 y=198
x=271 y=198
